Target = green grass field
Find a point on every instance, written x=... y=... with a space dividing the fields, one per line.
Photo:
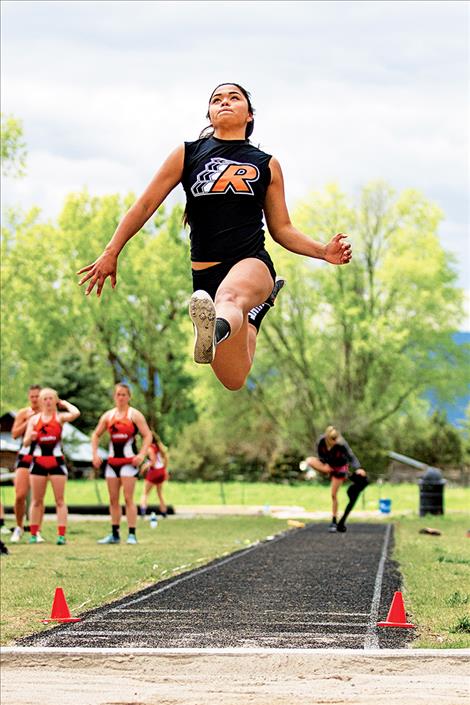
x=436 y=574
x=311 y=496
x=435 y=569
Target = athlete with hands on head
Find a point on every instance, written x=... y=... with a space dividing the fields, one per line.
x=122 y=423
x=229 y=185
x=44 y=434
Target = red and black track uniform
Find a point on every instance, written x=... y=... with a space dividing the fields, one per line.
x=156 y=474
x=122 y=446
x=48 y=457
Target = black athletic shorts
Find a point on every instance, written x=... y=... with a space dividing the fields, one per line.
x=211 y=278
x=58 y=468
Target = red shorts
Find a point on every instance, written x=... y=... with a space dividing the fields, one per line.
x=156 y=475
x=340 y=473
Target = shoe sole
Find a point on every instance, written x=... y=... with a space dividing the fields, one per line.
x=202 y=313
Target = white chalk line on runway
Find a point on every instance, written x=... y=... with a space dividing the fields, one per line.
x=409 y=654
x=200 y=635
x=196 y=573
x=292 y=613
x=371 y=640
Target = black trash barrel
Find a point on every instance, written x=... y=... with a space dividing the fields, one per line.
x=431 y=492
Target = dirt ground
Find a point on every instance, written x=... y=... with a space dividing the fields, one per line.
x=214 y=677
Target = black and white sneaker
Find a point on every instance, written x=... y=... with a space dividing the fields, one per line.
x=280 y=281
x=257 y=313
x=202 y=312
x=333 y=528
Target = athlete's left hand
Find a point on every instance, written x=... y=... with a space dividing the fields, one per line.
x=338 y=250
x=138 y=460
x=98 y=271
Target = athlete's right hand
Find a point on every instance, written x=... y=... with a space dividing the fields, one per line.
x=96 y=462
x=97 y=273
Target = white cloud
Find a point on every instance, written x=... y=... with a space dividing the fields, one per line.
x=344 y=91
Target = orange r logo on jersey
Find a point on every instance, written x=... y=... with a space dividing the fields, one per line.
x=221 y=175
x=237 y=177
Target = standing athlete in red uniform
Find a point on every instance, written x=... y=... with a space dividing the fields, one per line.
x=122 y=423
x=156 y=475
x=229 y=185
x=43 y=434
x=23 y=463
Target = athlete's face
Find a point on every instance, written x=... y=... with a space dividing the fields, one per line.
x=48 y=401
x=33 y=396
x=121 y=396
x=228 y=107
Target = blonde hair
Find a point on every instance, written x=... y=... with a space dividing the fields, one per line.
x=48 y=390
x=332 y=435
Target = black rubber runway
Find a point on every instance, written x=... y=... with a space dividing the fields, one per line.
x=304 y=589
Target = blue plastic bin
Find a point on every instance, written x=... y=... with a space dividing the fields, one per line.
x=385 y=506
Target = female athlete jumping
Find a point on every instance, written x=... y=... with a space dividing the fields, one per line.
x=229 y=185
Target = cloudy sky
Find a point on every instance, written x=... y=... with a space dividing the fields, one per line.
x=344 y=91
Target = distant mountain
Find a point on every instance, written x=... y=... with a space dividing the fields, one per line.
x=455 y=410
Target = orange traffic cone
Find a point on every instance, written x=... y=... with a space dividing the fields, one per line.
x=60 y=610
x=396 y=616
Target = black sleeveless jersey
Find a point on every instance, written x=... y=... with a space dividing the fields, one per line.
x=225 y=183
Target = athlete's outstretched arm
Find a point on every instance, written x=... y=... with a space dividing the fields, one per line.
x=337 y=251
x=164 y=181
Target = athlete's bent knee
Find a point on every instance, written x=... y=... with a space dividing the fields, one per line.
x=234 y=385
x=229 y=296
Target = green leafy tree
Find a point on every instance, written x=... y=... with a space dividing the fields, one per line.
x=13 y=147
x=353 y=345
x=77 y=378
x=441 y=445
x=139 y=333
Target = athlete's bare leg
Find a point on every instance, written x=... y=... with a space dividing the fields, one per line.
x=336 y=483
x=145 y=494
x=248 y=284
x=128 y=486
x=38 y=490
x=163 y=506
x=114 y=489
x=58 y=487
x=21 y=493
x=317 y=464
